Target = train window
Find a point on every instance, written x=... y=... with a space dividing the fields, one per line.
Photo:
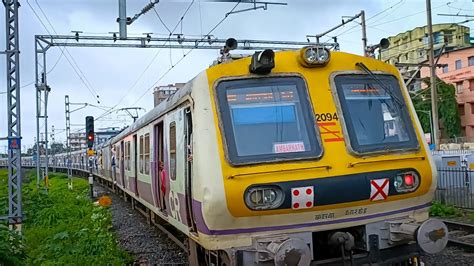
x=267 y=119
x=173 y=151
x=146 y=154
x=127 y=156
x=374 y=120
x=141 y=154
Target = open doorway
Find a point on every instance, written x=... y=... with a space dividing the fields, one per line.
x=188 y=127
x=159 y=151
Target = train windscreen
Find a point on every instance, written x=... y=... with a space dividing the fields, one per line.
x=375 y=115
x=267 y=119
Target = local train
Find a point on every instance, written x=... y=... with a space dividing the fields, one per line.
x=297 y=157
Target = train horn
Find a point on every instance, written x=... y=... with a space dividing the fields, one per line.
x=383 y=44
x=230 y=44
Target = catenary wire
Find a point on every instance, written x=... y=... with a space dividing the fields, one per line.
x=62 y=48
x=149 y=64
x=187 y=53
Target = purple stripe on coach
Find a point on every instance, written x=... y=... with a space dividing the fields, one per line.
x=202 y=227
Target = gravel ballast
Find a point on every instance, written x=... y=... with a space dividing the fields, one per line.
x=143 y=241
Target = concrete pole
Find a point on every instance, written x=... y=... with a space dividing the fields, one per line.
x=434 y=93
x=364 y=32
x=122 y=19
x=46 y=161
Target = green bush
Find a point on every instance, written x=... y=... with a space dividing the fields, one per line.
x=445 y=211
x=63 y=227
x=11 y=247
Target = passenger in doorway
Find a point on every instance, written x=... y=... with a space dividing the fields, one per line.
x=190 y=153
x=161 y=169
x=112 y=164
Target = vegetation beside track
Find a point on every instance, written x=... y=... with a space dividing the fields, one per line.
x=450 y=212
x=61 y=226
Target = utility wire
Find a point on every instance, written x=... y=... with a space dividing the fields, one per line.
x=72 y=58
x=151 y=61
x=348 y=31
x=62 y=48
x=184 y=56
x=161 y=20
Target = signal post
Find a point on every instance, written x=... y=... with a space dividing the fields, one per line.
x=90 y=151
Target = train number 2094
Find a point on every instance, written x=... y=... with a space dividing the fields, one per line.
x=326 y=117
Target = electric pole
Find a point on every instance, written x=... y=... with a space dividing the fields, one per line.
x=68 y=141
x=364 y=32
x=360 y=15
x=12 y=52
x=434 y=93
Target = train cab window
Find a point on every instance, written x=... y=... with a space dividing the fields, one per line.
x=267 y=119
x=146 y=154
x=173 y=151
x=375 y=117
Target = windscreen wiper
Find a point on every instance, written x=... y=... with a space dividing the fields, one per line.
x=381 y=83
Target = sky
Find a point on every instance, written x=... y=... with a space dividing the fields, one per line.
x=120 y=76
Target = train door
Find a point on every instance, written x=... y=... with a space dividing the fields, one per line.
x=159 y=184
x=122 y=163
x=175 y=164
x=188 y=130
x=135 y=165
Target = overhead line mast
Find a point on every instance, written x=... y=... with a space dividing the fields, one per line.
x=12 y=52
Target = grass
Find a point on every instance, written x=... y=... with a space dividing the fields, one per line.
x=444 y=211
x=62 y=227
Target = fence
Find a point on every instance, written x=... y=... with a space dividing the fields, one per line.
x=456 y=187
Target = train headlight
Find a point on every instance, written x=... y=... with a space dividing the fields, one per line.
x=314 y=56
x=263 y=198
x=406 y=182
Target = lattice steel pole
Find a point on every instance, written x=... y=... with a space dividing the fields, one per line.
x=42 y=90
x=13 y=104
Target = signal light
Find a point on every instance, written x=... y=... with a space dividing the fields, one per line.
x=409 y=180
x=406 y=182
x=90 y=131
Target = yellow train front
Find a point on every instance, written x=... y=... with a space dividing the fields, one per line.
x=309 y=156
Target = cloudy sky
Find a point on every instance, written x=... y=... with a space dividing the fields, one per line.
x=120 y=76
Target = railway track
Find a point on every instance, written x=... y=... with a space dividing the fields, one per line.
x=461 y=235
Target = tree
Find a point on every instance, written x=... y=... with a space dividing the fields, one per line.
x=448 y=111
x=57 y=148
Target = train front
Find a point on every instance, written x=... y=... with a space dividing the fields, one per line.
x=322 y=159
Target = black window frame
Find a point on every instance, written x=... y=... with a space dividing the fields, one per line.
x=225 y=122
x=456 y=66
x=470 y=61
x=349 y=131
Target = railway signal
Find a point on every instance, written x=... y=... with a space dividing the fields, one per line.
x=90 y=131
x=90 y=151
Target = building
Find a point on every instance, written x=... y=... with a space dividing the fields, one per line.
x=161 y=93
x=102 y=136
x=77 y=141
x=411 y=47
x=459 y=71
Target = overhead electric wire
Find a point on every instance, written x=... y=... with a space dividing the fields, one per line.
x=181 y=59
x=72 y=58
x=385 y=22
x=161 y=20
x=151 y=61
x=62 y=49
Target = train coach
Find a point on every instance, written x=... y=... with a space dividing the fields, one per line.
x=294 y=157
